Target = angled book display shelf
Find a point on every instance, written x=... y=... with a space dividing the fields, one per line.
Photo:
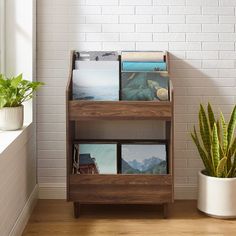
x=118 y=188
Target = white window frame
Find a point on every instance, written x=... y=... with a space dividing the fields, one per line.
x=2 y=36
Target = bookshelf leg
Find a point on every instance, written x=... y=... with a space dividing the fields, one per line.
x=165 y=210
x=76 y=209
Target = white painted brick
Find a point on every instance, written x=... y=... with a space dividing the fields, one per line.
x=51 y=64
x=193 y=73
x=227 y=37
x=169 y=2
x=184 y=10
x=136 y=37
x=177 y=55
x=227 y=19
x=185 y=28
x=220 y=46
x=118 y=28
x=171 y=37
x=152 y=28
x=102 y=37
x=196 y=37
x=227 y=73
x=227 y=55
x=50 y=127
x=85 y=10
x=136 y=19
x=102 y=19
x=48 y=154
x=118 y=46
x=47 y=28
x=203 y=82
x=51 y=109
x=169 y=19
x=136 y=2
x=202 y=2
x=184 y=46
x=117 y=10
x=53 y=172
x=93 y=46
x=218 y=28
x=215 y=64
x=69 y=2
x=201 y=19
x=200 y=38
x=85 y=28
x=51 y=118
x=71 y=19
x=227 y=2
x=71 y=37
x=186 y=64
x=152 y=46
x=157 y=10
x=218 y=11
x=50 y=163
x=211 y=91
x=102 y=2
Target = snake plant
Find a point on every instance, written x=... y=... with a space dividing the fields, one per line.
x=216 y=143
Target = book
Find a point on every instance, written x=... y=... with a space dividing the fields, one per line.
x=97 y=56
x=144 y=86
x=158 y=56
x=143 y=66
x=96 y=80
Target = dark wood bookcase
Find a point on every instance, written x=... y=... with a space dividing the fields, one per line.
x=118 y=188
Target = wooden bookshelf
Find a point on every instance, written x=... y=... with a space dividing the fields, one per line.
x=118 y=188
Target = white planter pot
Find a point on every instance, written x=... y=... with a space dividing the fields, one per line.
x=11 y=118
x=217 y=196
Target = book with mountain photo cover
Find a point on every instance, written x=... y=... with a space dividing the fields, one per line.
x=144 y=158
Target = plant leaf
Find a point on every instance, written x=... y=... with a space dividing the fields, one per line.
x=202 y=153
x=231 y=126
x=232 y=148
x=16 y=80
x=221 y=167
x=211 y=116
x=215 y=147
x=204 y=129
x=225 y=134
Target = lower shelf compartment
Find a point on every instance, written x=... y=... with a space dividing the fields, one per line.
x=121 y=189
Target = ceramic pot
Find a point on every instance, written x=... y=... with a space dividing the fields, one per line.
x=217 y=196
x=11 y=118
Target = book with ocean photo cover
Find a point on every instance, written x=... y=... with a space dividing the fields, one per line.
x=96 y=76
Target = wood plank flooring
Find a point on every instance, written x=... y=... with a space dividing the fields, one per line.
x=55 y=218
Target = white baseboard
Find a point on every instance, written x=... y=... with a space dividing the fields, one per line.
x=58 y=191
x=25 y=214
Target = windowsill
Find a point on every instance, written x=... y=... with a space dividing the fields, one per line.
x=7 y=138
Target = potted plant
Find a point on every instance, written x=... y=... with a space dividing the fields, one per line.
x=216 y=145
x=13 y=92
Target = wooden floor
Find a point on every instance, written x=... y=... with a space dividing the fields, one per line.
x=55 y=218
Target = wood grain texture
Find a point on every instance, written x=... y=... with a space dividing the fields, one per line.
x=117 y=189
x=123 y=110
x=70 y=125
x=55 y=217
x=121 y=179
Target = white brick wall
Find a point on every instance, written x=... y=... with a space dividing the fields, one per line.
x=199 y=34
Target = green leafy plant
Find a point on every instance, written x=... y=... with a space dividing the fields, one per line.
x=217 y=143
x=14 y=91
